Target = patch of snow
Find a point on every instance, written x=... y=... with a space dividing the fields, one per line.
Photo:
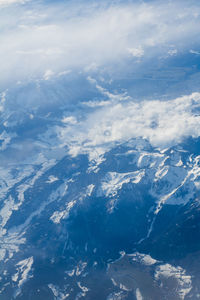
x=5 y=139
x=116 y=296
x=22 y=274
x=83 y=288
x=184 y=281
x=57 y=293
x=51 y=179
x=2 y=254
x=80 y=268
x=90 y=189
x=70 y=273
x=124 y=288
x=179 y=164
x=138 y=295
x=113 y=282
x=6 y=211
x=114 y=181
x=59 y=215
x=161 y=172
x=24 y=268
x=111 y=205
x=11 y=243
x=143 y=258
x=59 y=192
x=21 y=189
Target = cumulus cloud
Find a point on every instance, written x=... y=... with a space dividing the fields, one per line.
x=39 y=37
x=163 y=123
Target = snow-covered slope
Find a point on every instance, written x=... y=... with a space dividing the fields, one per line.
x=58 y=206
x=71 y=200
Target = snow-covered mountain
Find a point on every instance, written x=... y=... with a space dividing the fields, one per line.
x=99 y=150
x=73 y=215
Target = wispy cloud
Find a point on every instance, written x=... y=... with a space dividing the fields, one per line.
x=9 y=2
x=60 y=36
x=44 y=41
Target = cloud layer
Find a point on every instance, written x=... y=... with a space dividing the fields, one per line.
x=40 y=40
x=163 y=123
x=39 y=37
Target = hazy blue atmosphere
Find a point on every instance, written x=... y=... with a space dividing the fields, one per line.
x=99 y=150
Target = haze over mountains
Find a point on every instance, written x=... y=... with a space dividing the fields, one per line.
x=99 y=150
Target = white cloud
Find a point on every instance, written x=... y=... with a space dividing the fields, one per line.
x=172 y=52
x=8 y=2
x=64 y=36
x=69 y=120
x=194 y=52
x=163 y=123
x=46 y=40
x=137 y=52
x=48 y=74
